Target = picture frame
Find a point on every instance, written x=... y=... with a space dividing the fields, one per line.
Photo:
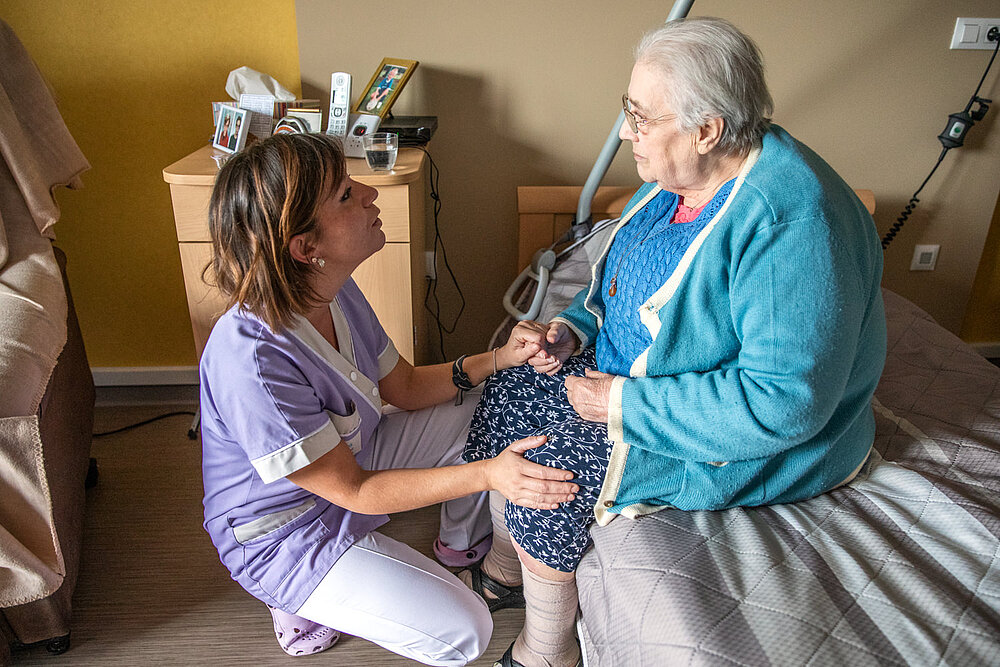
x=385 y=86
x=231 y=129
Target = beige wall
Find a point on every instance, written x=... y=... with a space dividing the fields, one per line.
x=526 y=93
x=134 y=81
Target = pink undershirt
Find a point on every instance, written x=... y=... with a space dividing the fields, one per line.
x=686 y=213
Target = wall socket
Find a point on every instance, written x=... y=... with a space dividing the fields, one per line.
x=971 y=33
x=431 y=270
x=924 y=257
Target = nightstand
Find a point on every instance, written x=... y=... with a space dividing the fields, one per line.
x=393 y=279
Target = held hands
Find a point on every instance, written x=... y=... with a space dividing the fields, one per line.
x=529 y=484
x=544 y=346
x=524 y=342
x=589 y=395
x=555 y=347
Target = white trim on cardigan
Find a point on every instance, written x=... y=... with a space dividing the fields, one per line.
x=649 y=315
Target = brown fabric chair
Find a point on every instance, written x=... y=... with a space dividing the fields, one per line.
x=46 y=388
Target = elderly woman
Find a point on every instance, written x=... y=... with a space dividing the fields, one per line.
x=302 y=460
x=735 y=321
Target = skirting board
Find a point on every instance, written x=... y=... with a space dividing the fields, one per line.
x=144 y=376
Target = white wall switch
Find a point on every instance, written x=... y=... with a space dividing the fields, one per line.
x=924 y=257
x=971 y=33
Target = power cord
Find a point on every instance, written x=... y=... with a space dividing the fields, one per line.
x=432 y=281
x=143 y=423
x=953 y=136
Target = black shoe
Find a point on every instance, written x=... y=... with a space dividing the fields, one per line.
x=507 y=597
x=507 y=659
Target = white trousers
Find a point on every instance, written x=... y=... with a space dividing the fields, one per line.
x=432 y=438
x=388 y=593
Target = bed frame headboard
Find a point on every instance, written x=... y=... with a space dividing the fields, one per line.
x=544 y=213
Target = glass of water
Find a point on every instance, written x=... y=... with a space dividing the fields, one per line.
x=380 y=150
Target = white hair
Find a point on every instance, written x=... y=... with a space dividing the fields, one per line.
x=711 y=70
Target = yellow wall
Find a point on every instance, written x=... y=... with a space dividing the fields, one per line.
x=134 y=82
x=527 y=91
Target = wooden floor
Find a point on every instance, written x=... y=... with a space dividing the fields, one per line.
x=152 y=590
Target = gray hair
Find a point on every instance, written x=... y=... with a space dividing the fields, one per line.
x=712 y=70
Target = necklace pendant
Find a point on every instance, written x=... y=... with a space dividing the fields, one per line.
x=614 y=286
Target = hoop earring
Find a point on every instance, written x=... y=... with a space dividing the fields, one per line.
x=318 y=261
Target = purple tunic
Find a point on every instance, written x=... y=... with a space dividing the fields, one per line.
x=271 y=403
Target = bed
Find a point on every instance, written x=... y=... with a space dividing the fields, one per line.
x=900 y=567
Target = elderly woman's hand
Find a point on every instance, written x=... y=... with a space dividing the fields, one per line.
x=559 y=343
x=589 y=395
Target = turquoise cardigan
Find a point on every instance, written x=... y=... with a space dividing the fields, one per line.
x=768 y=342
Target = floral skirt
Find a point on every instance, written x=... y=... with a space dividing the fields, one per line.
x=520 y=402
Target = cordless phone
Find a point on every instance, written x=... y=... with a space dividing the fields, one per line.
x=340 y=101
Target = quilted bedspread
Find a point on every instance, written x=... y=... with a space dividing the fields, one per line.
x=900 y=567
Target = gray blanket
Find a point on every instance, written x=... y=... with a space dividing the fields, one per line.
x=900 y=567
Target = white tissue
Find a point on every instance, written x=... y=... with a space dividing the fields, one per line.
x=248 y=81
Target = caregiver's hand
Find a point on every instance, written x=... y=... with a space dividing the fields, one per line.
x=529 y=484
x=589 y=395
x=524 y=342
x=559 y=344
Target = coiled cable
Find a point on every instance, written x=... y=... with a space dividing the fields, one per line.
x=960 y=123
x=912 y=204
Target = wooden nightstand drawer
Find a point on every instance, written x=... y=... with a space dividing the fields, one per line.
x=393 y=202
x=191 y=211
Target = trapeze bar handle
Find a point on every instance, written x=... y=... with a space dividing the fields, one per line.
x=611 y=144
x=598 y=171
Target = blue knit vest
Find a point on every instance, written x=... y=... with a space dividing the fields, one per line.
x=644 y=254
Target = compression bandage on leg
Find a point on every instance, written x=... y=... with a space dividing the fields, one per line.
x=501 y=563
x=549 y=621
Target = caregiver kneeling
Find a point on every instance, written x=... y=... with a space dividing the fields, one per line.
x=301 y=460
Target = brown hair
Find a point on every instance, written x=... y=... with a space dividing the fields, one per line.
x=264 y=196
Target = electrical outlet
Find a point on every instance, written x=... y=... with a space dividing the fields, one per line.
x=431 y=270
x=972 y=33
x=924 y=257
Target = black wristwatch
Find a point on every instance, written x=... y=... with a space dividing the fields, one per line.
x=460 y=379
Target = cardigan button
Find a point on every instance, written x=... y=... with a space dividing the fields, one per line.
x=354 y=376
x=609 y=503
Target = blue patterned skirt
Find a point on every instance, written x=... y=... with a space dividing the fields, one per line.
x=520 y=402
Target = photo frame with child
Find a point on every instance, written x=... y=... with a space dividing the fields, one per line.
x=231 y=129
x=385 y=86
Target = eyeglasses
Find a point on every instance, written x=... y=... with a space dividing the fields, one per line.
x=635 y=123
